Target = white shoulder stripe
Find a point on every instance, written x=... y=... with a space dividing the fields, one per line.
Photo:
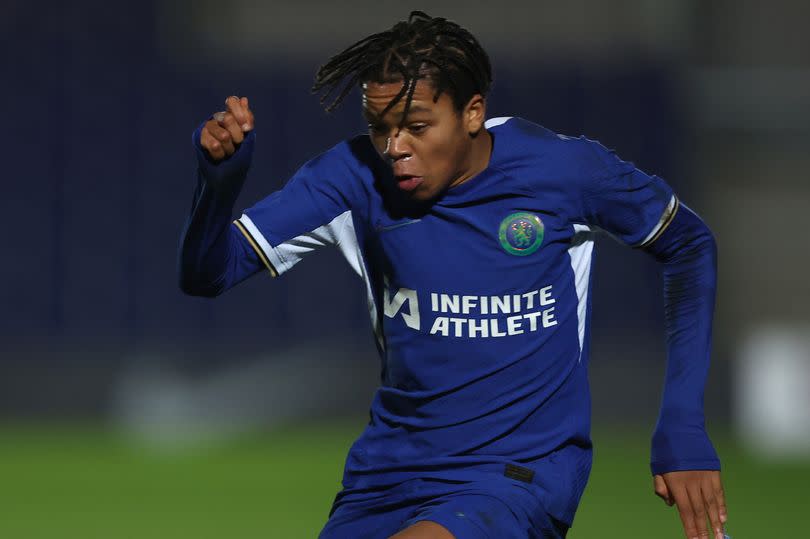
x=581 y=253
x=494 y=122
x=338 y=232
x=350 y=247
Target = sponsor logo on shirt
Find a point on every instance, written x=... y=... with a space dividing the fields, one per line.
x=521 y=233
x=394 y=304
x=456 y=315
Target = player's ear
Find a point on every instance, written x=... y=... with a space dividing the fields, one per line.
x=475 y=114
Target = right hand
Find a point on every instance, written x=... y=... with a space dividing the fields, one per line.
x=698 y=495
x=225 y=132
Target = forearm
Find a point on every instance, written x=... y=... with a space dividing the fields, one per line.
x=688 y=254
x=213 y=255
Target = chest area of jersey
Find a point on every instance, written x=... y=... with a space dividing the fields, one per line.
x=497 y=244
x=496 y=269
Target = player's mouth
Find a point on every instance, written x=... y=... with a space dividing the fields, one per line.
x=407 y=182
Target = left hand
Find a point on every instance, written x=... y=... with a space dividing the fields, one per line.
x=698 y=495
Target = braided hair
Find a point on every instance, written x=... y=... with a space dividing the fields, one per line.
x=422 y=47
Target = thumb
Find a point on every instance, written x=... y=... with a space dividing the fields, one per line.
x=661 y=490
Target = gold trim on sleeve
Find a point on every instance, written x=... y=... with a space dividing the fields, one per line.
x=256 y=248
x=666 y=221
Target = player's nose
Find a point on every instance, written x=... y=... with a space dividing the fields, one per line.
x=396 y=147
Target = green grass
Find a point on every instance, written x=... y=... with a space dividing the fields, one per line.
x=88 y=483
x=765 y=500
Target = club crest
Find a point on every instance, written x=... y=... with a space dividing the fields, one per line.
x=521 y=233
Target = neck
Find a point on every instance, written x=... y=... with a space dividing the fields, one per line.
x=480 y=153
x=482 y=150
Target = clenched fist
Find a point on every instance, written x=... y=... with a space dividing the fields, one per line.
x=221 y=136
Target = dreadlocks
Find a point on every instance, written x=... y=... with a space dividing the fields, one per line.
x=422 y=47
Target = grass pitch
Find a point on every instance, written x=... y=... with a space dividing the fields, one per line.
x=88 y=483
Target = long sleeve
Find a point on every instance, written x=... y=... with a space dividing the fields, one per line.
x=213 y=254
x=687 y=252
x=643 y=211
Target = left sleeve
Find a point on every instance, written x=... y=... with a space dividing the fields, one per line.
x=314 y=209
x=642 y=211
x=687 y=252
x=620 y=199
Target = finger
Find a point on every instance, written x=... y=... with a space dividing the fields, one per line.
x=211 y=145
x=686 y=512
x=712 y=509
x=699 y=510
x=249 y=123
x=720 y=494
x=234 y=105
x=229 y=122
x=661 y=490
x=222 y=135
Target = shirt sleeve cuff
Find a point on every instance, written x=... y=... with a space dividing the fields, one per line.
x=665 y=466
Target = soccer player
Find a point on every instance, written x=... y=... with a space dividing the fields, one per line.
x=474 y=239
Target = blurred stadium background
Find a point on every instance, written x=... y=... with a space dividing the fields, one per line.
x=129 y=410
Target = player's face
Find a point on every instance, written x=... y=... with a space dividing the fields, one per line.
x=436 y=147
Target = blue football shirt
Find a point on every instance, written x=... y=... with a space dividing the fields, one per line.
x=479 y=303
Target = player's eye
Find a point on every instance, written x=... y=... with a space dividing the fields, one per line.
x=417 y=129
x=377 y=129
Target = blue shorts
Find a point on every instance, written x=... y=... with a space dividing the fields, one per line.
x=494 y=509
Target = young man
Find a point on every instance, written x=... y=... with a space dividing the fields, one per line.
x=474 y=240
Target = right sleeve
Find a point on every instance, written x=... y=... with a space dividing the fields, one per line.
x=312 y=210
x=213 y=254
